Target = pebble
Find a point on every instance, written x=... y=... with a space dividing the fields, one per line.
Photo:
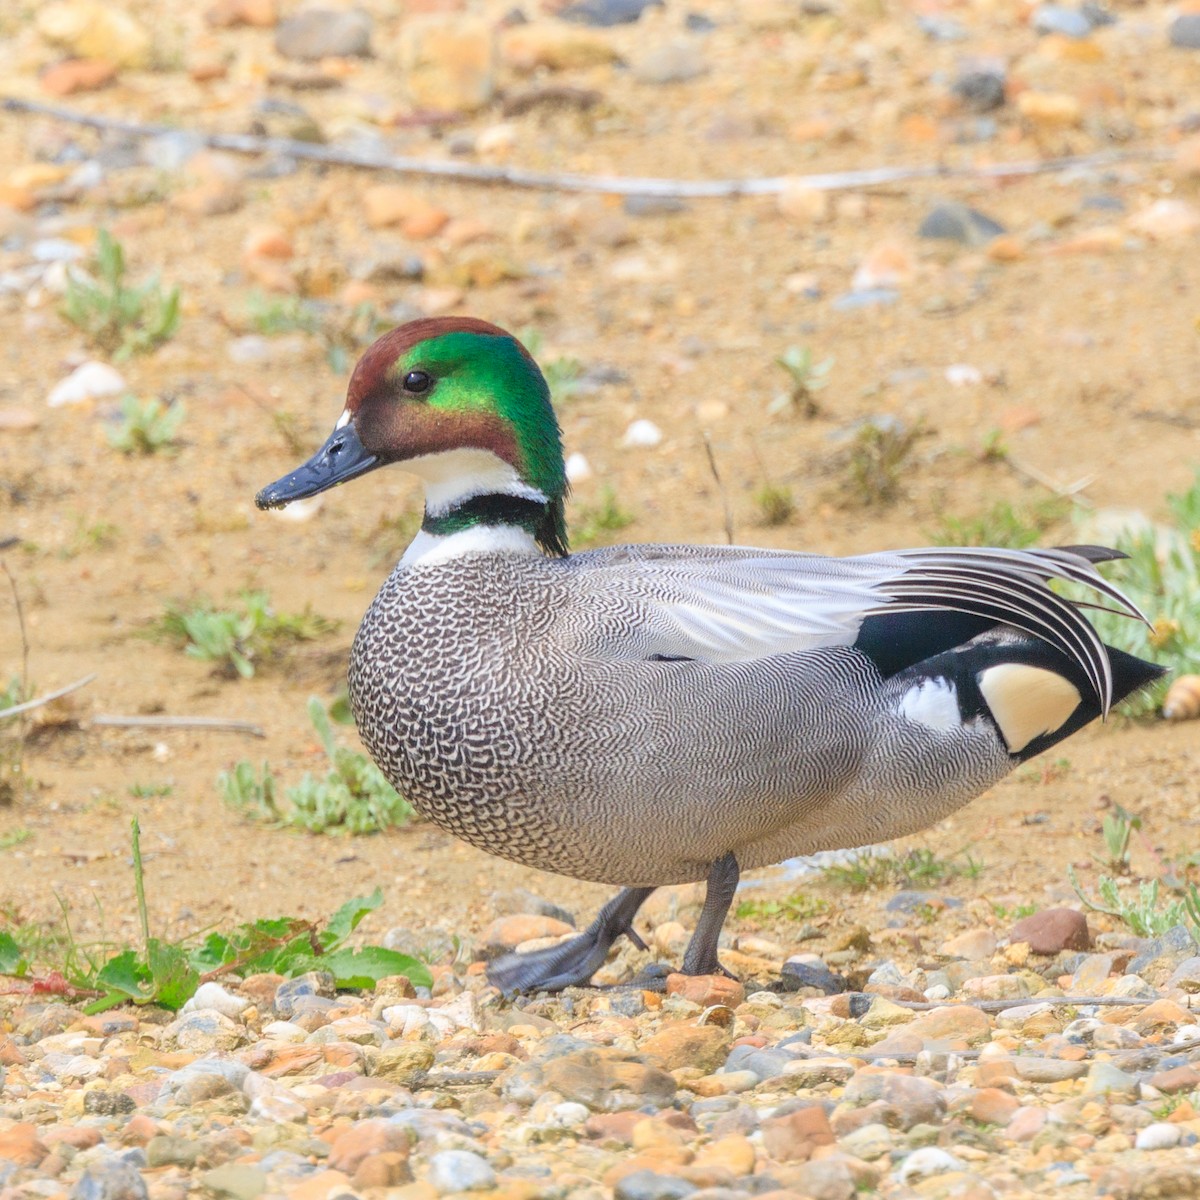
x=1057 y=18
x=981 y=91
x=957 y=222
x=1185 y=31
x=448 y=62
x=642 y=434
x=1159 y=1136
x=672 y=62
x=89 y=381
x=93 y=30
x=929 y=1160
x=110 y=1179
x=1053 y=930
x=317 y=33
x=607 y=12
x=460 y=1171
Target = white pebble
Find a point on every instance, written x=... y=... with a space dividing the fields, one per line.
x=1159 y=1136
x=929 y=1160
x=1186 y=1033
x=300 y=510
x=214 y=996
x=939 y=991
x=285 y=1031
x=568 y=1115
x=87 y=382
x=642 y=433
x=578 y=468
x=963 y=375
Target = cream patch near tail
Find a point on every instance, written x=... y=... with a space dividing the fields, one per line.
x=1027 y=702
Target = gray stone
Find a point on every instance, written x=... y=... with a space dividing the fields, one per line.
x=111 y=1179
x=168 y=1150
x=825 y=1179
x=955 y=222
x=766 y=1064
x=671 y=62
x=314 y=983
x=1057 y=18
x=908 y=1099
x=460 y=1171
x=324 y=33
x=1047 y=1070
x=235 y=1181
x=103 y=1102
x=1105 y=1079
x=607 y=12
x=981 y=91
x=808 y=974
x=1185 y=31
x=865 y=298
x=909 y=901
x=869 y=1142
x=1186 y=976
x=649 y=1185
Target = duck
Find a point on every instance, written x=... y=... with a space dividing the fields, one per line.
x=648 y=715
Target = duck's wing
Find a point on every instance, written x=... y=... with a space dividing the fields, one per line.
x=732 y=604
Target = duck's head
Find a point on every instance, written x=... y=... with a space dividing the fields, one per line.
x=462 y=404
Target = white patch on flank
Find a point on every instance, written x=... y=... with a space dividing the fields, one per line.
x=933 y=702
x=343 y=420
x=1027 y=702
x=456 y=475
x=429 y=548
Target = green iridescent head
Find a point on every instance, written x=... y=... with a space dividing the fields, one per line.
x=446 y=386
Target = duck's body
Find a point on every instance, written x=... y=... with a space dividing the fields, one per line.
x=651 y=715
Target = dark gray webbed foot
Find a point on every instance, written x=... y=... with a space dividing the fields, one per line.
x=700 y=958
x=571 y=963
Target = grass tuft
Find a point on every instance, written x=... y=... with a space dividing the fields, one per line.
x=120 y=319
x=919 y=867
x=1003 y=524
x=352 y=797
x=595 y=522
x=146 y=426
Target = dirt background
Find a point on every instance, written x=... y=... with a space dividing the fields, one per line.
x=1084 y=343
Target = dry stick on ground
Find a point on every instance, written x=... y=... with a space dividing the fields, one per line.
x=47 y=698
x=619 y=185
x=218 y=724
x=712 y=466
x=1002 y=1005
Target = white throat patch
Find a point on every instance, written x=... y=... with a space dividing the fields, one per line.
x=427 y=549
x=457 y=475
x=932 y=702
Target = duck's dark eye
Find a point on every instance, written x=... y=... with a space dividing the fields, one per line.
x=417 y=382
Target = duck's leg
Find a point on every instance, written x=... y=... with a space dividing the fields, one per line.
x=700 y=958
x=572 y=963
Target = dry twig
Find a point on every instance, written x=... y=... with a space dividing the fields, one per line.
x=218 y=724
x=618 y=185
x=46 y=699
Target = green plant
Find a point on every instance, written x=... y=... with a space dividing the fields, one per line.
x=776 y=505
x=1162 y=577
x=865 y=872
x=595 y=521
x=14 y=837
x=147 y=426
x=562 y=373
x=166 y=973
x=806 y=378
x=877 y=457
x=148 y=791
x=1002 y=524
x=120 y=319
x=1145 y=913
x=797 y=907
x=273 y=315
x=1118 y=827
x=89 y=536
x=1003 y=913
x=352 y=797
x=236 y=639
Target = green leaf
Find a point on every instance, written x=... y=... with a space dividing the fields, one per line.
x=12 y=961
x=125 y=974
x=366 y=967
x=347 y=918
x=173 y=979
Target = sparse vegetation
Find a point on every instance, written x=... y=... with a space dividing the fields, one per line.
x=1147 y=913
x=776 y=505
x=352 y=797
x=149 y=791
x=806 y=377
x=236 y=639
x=920 y=866
x=274 y=315
x=120 y=319
x=877 y=458
x=167 y=973
x=146 y=426
x=562 y=373
x=90 y=536
x=797 y=907
x=1118 y=828
x=14 y=837
x=1161 y=576
x=592 y=525
x=1003 y=524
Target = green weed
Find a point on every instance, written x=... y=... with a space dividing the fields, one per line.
x=91 y=536
x=236 y=639
x=876 y=461
x=595 y=522
x=1002 y=525
x=167 y=973
x=147 y=426
x=798 y=907
x=14 y=837
x=1161 y=576
x=352 y=797
x=1118 y=827
x=1147 y=914
x=919 y=867
x=775 y=505
x=1004 y=913
x=274 y=315
x=119 y=319
x=150 y=791
x=806 y=377
x=563 y=374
